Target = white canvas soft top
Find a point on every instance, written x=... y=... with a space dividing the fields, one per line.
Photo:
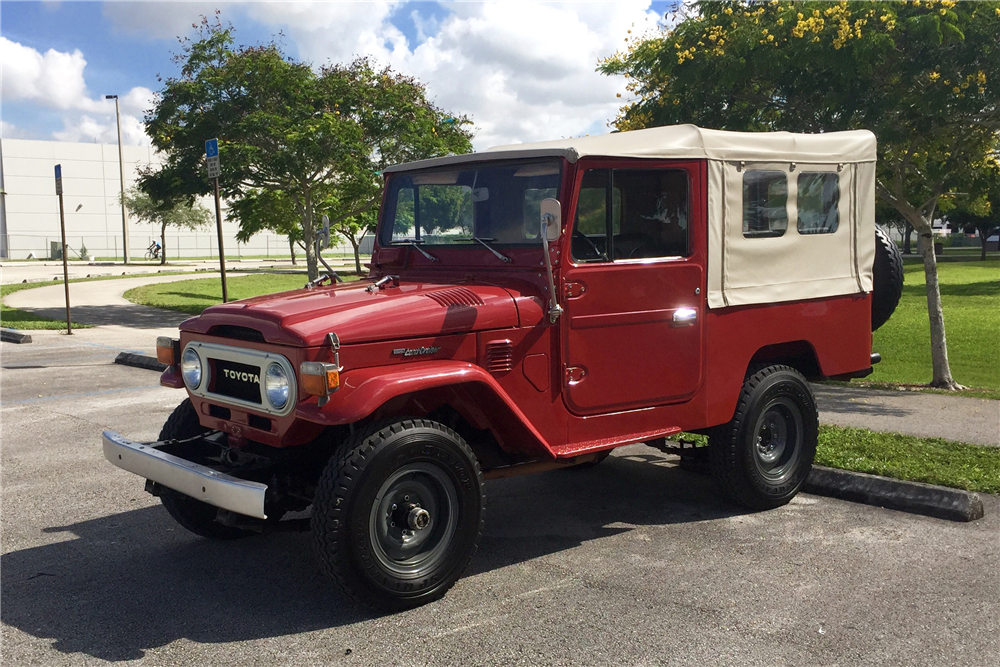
x=684 y=141
x=744 y=268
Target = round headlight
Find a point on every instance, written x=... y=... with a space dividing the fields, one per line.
x=276 y=386
x=191 y=368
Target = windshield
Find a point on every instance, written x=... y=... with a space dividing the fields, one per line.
x=467 y=205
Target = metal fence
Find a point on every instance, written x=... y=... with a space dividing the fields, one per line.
x=182 y=246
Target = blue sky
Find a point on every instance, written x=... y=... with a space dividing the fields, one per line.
x=524 y=71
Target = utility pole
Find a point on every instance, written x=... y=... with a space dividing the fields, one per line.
x=62 y=227
x=121 y=174
x=214 y=171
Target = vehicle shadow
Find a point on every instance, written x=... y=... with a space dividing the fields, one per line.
x=117 y=586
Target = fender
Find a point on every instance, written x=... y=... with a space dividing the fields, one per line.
x=364 y=390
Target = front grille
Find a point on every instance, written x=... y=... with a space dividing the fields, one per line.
x=499 y=356
x=235 y=380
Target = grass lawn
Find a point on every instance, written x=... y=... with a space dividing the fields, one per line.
x=194 y=296
x=929 y=460
x=970 y=293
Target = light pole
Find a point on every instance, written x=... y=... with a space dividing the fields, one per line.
x=121 y=174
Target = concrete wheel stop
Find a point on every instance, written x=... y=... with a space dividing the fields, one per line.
x=14 y=336
x=140 y=361
x=936 y=501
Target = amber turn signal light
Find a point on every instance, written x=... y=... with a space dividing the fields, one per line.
x=167 y=350
x=318 y=378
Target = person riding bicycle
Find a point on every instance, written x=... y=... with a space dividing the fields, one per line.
x=154 y=249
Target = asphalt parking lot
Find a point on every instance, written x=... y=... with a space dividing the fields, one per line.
x=633 y=562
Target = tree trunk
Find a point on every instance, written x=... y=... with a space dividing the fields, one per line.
x=907 y=249
x=291 y=248
x=163 y=244
x=982 y=246
x=939 y=346
x=304 y=205
x=356 y=244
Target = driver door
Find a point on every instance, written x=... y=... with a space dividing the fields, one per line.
x=632 y=330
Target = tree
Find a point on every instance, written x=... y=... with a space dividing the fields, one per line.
x=313 y=135
x=180 y=214
x=266 y=210
x=979 y=211
x=924 y=76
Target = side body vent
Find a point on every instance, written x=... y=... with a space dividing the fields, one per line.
x=456 y=297
x=499 y=357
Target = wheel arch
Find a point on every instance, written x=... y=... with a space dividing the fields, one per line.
x=798 y=354
x=461 y=395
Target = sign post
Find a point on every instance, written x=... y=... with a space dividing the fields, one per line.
x=214 y=171
x=62 y=227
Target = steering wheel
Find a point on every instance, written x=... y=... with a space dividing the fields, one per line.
x=598 y=253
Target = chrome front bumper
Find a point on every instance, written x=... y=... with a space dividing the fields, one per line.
x=191 y=479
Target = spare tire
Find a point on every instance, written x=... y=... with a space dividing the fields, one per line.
x=887 y=278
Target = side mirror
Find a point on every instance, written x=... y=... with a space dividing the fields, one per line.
x=551 y=219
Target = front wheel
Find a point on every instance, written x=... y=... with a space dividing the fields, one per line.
x=398 y=513
x=762 y=457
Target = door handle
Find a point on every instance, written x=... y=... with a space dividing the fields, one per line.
x=684 y=317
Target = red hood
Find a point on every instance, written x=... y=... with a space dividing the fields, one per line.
x=304 y=317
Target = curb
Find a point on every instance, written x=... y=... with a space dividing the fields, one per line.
x=14 y=336
x=936 y=501
x=140 y=361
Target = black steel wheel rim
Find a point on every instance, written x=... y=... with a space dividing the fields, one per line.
x=777 y=440
x=414 y=519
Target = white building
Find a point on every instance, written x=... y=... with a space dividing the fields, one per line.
x=29 y=207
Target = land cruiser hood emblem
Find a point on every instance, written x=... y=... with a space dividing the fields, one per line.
x=415 y=351
x=413 y=310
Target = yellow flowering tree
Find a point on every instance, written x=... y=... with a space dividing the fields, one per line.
x=922 y=75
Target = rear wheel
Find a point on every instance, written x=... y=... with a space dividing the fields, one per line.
x=762 y=457
x=398 y=513
x=194 y=515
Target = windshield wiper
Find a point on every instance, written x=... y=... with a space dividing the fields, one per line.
x=492 y=249
x=415 y=244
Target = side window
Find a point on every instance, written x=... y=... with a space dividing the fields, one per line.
x=818 y=199
x=590 y=229
x=654 y=213
x=765 y=199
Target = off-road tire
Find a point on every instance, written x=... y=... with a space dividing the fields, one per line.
x=194 y=515
x=348 y=505
x=887 y=279
x=738 y=451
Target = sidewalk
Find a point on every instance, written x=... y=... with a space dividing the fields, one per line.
x=962 y=418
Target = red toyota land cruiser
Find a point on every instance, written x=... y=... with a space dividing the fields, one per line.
x=531 y=307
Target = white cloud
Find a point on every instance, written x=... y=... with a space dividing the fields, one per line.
x=335 y=31
x=524 y=71
x=159 y=19
x=55 y=80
